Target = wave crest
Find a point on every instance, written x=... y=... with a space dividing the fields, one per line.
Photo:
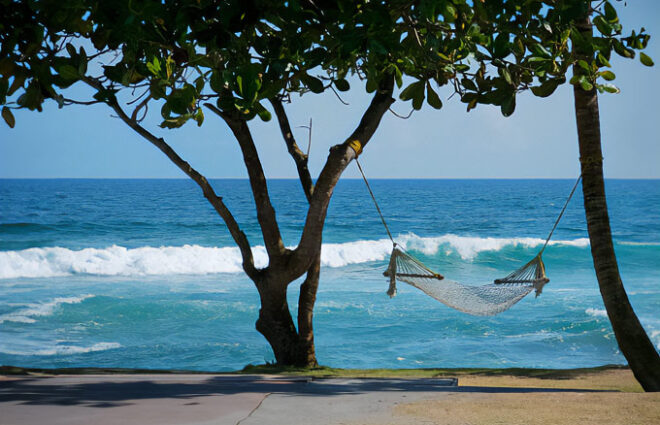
x=28 y=314
x=63 y=350
x=194 y=259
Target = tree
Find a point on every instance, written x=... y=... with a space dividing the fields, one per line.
x=563 y=31
x=229 y=57
x=633 y=341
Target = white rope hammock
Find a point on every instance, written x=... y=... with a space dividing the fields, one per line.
x=485 y=300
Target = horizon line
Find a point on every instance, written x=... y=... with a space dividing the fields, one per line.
x=342 y=178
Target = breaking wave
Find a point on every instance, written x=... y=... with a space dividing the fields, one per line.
x=194 y=259
x=30 y=311
x=62 y=350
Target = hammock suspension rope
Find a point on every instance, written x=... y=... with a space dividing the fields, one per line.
x=484 y=300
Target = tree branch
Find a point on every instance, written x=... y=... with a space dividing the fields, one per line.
x=265 y=211
x=237 y=234
x=298 y=156
x=338 y=159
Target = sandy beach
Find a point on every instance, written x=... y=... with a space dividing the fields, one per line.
x=596 y=396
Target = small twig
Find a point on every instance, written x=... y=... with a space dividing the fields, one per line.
x=137 y=98
x=80 y=102
x=338 y=97
x=309 y=140
x=401 y=116
x=144 y=114
x=412 y=25
x=140 y=106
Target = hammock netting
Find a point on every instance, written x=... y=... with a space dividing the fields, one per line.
x=484 y=300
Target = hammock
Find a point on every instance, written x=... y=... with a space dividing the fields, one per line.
x=485 y=300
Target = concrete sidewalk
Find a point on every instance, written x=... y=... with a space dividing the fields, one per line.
x=207 y=399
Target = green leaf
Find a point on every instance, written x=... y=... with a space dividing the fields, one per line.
x=342 y=85
x=608 y=75
x=621 y=50
x=603 y=26
x=643 y=57
x=71 y=50
x=9 y=117
x=157 y=89
x=68 y=72
x=371 y=86
x=313 y=83
x=154 y=66
x=610 y=88
x=603 y=60
x=263 y=113
x=541 y=51
x=432 y=97
x=585 y=84
x=468 y=84
x=501 y=46
x=418 y=101
x=199 y=117
x=584 y=65
x=412 y=91
x=217 y=82
x=509 y=105
x=506 y=75
x=610 y=13
x=546 y=89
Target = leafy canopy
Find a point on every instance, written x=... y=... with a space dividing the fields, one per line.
x=181 y=54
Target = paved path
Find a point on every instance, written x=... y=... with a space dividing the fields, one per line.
x=207 y=399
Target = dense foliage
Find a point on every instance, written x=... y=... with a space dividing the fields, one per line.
x=237 y=53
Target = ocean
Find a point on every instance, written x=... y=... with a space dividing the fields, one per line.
x=144 y=274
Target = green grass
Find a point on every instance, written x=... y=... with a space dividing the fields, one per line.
x=328 y=372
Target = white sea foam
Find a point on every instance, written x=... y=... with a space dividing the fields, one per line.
x=61 y=350
x=469 y=247
x=596 y=312
x=193 y=259
x=28 y=314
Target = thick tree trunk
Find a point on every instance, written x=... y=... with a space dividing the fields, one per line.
x=291 y=347
x=633 y=341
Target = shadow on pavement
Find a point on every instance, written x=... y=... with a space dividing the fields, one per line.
x=105 y=391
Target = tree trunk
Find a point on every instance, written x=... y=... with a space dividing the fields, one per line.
x=291 y=347
x=633 y=341
x=306 y=302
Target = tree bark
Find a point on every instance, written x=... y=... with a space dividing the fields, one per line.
x=306 y=301
x=308 y=289
x=633 y=341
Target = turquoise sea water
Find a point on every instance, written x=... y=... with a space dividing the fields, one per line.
x=143 y=273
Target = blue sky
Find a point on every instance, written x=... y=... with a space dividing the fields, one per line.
x=538 y=141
